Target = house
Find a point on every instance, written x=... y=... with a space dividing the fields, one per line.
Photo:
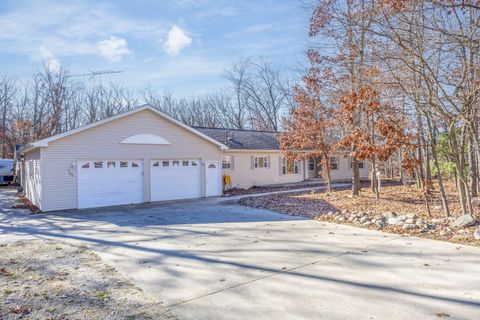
x=144 y=155
x=254 y=158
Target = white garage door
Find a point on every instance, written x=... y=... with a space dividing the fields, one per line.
x=109 y=182
x=175 y=179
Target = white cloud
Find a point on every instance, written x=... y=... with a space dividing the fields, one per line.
x=113 y=49
x=49 y=59
x=70 y=29
x=177 y=40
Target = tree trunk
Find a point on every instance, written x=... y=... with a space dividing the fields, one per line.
x=433 y=145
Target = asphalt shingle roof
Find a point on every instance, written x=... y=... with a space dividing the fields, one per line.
x=243 y=139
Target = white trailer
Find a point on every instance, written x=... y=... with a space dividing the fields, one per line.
x=6 y=171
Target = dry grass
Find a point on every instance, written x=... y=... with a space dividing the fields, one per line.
x=57 y=280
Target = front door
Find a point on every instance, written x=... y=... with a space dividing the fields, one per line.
x=213 y=178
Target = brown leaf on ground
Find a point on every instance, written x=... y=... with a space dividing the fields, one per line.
x=403 y=200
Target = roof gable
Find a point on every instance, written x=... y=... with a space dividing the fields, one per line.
x=46 y=141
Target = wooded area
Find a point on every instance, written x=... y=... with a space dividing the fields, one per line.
x=399 y=79
x=54 y=101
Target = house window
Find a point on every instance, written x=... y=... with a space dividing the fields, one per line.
x=194 y=163
x=261 y=162
x=98 y=164
x=290 y=166
x=86 y=165
x=156 y=164
x=165 y=163
x=333 y=163
x=226 y=162
x=123 y=164
x=175 y=163
x=361 y=164
x=134 y=164
x=311 y=164
x=185 y=163
x=110 y=164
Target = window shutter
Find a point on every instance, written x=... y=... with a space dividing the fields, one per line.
x=252 y=162
x=232 y=162
x=280 y=166
x=268 y=162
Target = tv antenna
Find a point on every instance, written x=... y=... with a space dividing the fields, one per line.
x=92 y=74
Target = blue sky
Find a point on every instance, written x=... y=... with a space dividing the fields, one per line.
x=179 y=45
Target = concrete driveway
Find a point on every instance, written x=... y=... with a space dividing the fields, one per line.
x=208 y=260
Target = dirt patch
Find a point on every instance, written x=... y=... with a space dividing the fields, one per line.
x=56 y=280
x=366 y=211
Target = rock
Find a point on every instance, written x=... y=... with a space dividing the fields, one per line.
x=364 y=219
x=402 y=217
x=476 y=234
x=410 y=221
x=409 y=226
x=443 y=233
x=412 y=216
x=389 y=215
x=393 y=220
x=381 y=224
x=368 y=222
x=344 y=211
x=466 y=220
x=419 y=221
x=341 y=219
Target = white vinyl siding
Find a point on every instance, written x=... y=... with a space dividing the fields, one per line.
x=245 y=175
x=103 y=142
x=33 y=177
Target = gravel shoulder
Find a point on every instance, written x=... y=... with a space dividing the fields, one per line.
x=56 y=280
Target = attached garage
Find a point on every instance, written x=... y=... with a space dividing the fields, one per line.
x=109 y=182
x=138 y=156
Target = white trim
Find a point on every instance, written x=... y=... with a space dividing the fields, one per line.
x=145 y=138
x=44 y=142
